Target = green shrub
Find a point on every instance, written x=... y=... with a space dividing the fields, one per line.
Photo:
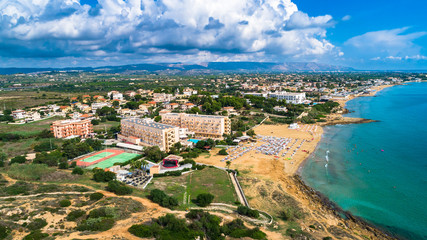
x=159 y=197
x=78 y=170
x=18 y=159
x=243 y=210
x=204 y=199
x=103 y=212
x=74 y=215
x=73 y=164
x=36 y=224
x=36 y=235
x=65 y=203
x=102 y=176
x=327 y=238
x=96 y=224
x=19 y=188
x=142 y=231
x=96 y=196
x=63 y=165
x=118 y=188
x=4 y=231
x=223 y=152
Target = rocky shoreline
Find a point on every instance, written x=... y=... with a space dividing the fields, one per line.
x=349 y=219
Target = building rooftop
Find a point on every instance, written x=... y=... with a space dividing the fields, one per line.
x=149 y=123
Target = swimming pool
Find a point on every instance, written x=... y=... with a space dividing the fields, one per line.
x=193 y=140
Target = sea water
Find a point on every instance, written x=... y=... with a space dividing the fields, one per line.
x=378 y=170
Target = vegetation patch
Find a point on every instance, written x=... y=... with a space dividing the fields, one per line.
x=29 y=172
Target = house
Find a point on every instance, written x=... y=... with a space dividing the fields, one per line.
x=115 y=95
x=152 y=104
x=19 y=114
x=187 y=106
x=280 y=109
x=172 y=106
x=65 y=109
x=230 y=110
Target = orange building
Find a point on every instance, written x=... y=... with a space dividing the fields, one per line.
x=68 y=128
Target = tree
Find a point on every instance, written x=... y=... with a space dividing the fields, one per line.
x=158 y=118
x=223 y=152
x=228 y=163
x=103 y=176
x=18 y=159
x=94 y=122
x=250 y=132
x=116 y=103
x=154 y=154
x=204 y=199
x=118 y=188
x=78 y=171
x=3 y=158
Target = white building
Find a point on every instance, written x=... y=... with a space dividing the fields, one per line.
x=115 y=95
x=19 y=114
x=99 y=105
x=290 y=97
x=280 y=109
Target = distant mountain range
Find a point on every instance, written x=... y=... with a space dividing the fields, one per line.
x=194 y=69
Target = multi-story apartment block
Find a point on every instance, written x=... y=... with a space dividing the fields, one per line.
x=201 y=125
x=150 y=132
x=69 y=128
x=290 y=97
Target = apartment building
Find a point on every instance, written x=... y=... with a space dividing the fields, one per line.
x=202 y=125
x=71 y=128
x=290 y=97
x=150 y=132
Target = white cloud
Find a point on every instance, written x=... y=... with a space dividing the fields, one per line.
x=394 y=44
x=346 y=18
x=268 y=29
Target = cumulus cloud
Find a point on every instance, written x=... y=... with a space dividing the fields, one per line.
x=168 y=30
x=386 y=43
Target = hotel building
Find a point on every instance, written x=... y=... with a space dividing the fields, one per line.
x=202 y=125
x=71 y=128
x=290 y=97
x=150 y=132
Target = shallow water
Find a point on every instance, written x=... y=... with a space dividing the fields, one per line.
x=378 y=171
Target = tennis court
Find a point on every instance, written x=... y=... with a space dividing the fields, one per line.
x=97 y=156
x=109 y=162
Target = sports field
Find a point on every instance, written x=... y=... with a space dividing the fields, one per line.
x=109 y=162
x=105 y=158
x=96 y=157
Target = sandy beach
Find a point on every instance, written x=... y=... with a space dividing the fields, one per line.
x=269 y=180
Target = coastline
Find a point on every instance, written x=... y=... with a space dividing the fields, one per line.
x=269 y=182
x=323 y=200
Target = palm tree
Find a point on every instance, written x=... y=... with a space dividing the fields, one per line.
x=136 y=165
x=144 y=164
x=228 y=163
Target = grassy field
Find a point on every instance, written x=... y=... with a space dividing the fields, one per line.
x=105 y=125
x=23 y=146
x=23 y=99
x=186 y=188
x=28 y=128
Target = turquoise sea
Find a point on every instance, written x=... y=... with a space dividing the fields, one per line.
x=378 y=171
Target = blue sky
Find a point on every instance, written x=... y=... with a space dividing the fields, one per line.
x=366 y=35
